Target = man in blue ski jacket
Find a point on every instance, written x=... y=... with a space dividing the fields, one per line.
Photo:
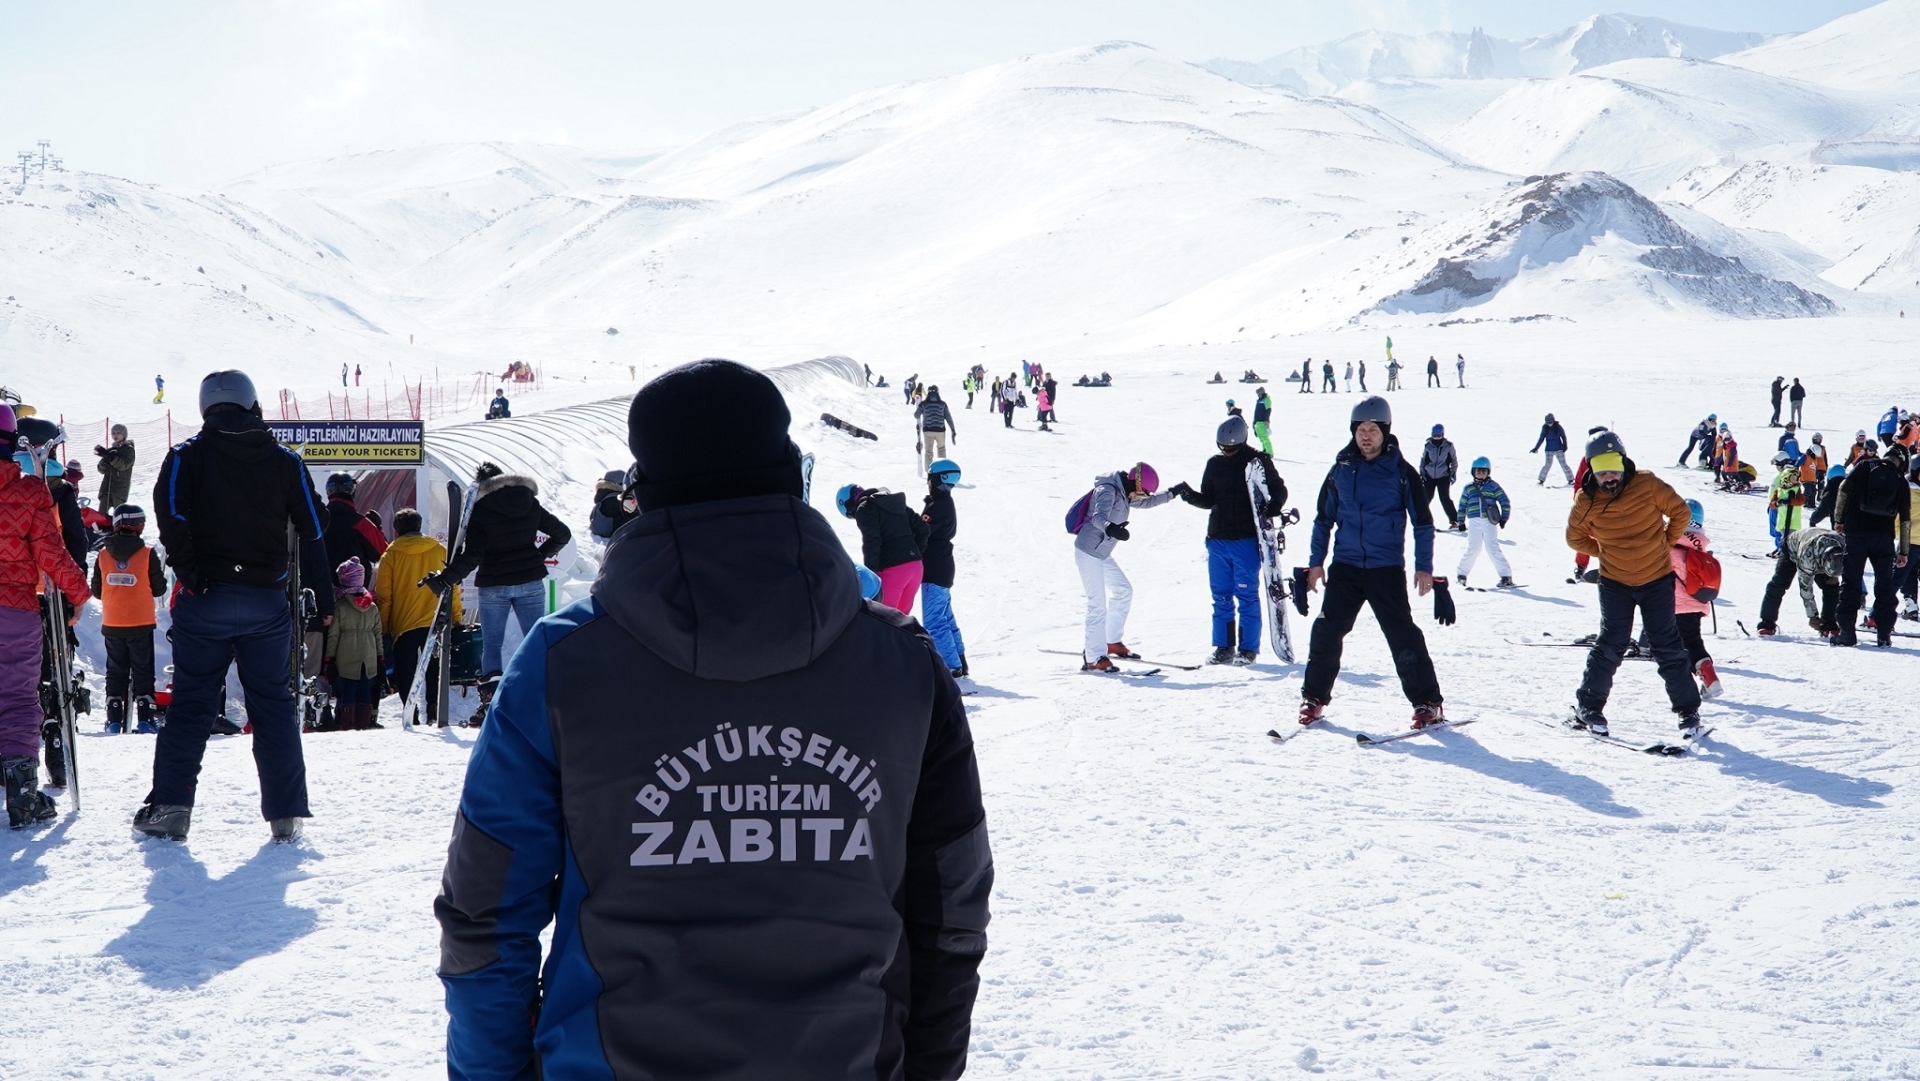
x=745 y=798
x=1369 y=496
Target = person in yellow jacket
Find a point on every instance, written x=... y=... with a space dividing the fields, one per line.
x=1630 y=520
x=128 y=578
x=406 y=607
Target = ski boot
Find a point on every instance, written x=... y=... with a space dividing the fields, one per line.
x=1461 y=579
x=26 y=804
x=1505 y=583
x=1689 y=723
x=1590 y=720
x=1120 y=650
x=1221 y=655
x=1911 y=611
x=116 y=715
x=1428 y=715
x=1245 y=657
x=145 y=709
x=286 y=830
x=1767 y=630
x=1709 y=680
x=168 y=821
x=1101 y=665
x=1311 y=710
x=488 y=685
x=56 y=751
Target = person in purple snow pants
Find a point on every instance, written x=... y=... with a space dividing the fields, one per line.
x=30 y=551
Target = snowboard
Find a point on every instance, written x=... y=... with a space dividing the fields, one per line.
x=1273 y=582
x=851 y=429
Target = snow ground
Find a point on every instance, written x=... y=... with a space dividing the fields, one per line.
x=1177 y=897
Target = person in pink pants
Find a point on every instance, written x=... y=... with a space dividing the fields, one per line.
x=892 y=538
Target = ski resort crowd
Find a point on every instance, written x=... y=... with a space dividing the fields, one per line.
x=849 y=872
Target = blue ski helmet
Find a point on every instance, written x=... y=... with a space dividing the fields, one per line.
x=846 y=497
x=946 y=471
x=1480 y=463
x=1836 y=471
x=1696 y=512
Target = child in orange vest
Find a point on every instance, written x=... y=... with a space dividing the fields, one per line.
x=128 y=577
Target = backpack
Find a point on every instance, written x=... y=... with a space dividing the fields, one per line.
x=1702 y=580
x=1077 y=514
x=1883 y=491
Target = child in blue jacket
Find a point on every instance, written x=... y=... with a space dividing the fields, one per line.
x=1485 y=509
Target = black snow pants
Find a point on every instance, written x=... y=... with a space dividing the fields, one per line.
x=129 y=665
x=406 y=663
x=1430 y=485
x=1655 y=604
x=1690 y=637
x=1384 y=589
x=1864 y=547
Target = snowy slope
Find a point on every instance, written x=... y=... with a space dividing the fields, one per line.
x=1593 y=42
x=388 y=211
x=1058 y=195
x=105 y=275
x=1175 y=896
x=1863 y=222
x=1432 y=107
x=1649 y=121
x=1875 y=51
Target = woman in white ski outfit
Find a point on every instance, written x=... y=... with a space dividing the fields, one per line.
x=1109 y=594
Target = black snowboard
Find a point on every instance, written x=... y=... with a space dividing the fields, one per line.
x=851 y=429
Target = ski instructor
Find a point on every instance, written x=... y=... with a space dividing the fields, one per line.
x=224 y=499
x=1630 y=521
x=1365 y=503
x=745 y=798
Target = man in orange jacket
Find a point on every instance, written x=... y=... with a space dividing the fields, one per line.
x=1630 y=521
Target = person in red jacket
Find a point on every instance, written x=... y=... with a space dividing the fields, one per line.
x=30 y=552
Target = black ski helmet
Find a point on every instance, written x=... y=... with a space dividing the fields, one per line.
x=1375 y=409
x=127 y=516
x=228 y=387
x=1605 y=442
x=1231 y=433
x=341 y=484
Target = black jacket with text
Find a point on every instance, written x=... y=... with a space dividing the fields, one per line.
x=747 y=802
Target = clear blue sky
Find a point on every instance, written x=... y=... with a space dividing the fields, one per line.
x=198 y=93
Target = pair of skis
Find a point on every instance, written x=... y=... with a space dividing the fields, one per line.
x=1365 y=740
x=440 y=631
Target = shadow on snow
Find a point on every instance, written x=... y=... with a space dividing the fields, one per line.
x=199 y=927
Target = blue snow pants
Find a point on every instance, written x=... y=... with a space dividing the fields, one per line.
x=1233 y=573
x=936 y=614
x=251 y=627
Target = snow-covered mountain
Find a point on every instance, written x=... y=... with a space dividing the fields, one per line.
x=1871 y=51
x=1593 y=42
x=1859 y=227
x=388 y=211
x=1649 y=121
x=101 y=274
x=1560 y=229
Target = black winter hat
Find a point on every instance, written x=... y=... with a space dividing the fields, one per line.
x=710 y=430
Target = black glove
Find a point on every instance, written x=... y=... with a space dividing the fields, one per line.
x=1182 y=489
x=1117 y=531
x=438 y=583
x=1300 y=590
x=1442 y=603
x=100 y=452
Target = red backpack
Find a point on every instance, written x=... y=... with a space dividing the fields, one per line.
x=1702 y=578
